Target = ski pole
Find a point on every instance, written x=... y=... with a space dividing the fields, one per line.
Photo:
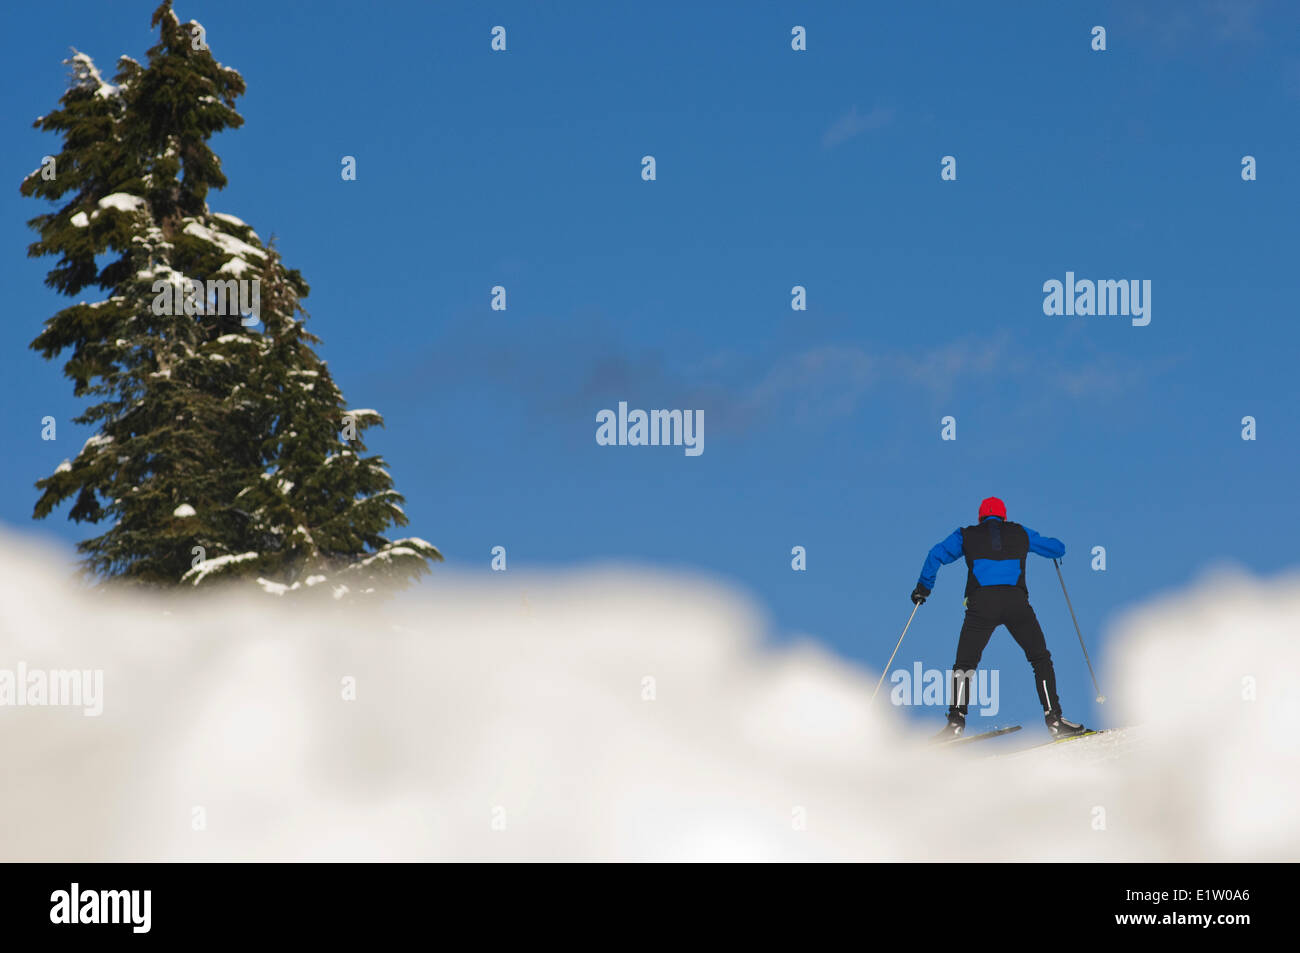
x=895 y=652
x=1101 y=699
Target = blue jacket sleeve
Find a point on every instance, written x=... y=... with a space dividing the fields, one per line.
x=1045 y=545
x=941 y=554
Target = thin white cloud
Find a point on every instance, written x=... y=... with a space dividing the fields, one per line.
x=853 y=124
x=827 y=380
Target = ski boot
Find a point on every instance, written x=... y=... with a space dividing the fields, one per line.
x=955 y=728
x=1060 y=728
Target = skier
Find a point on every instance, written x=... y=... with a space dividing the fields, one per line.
x=996 y=594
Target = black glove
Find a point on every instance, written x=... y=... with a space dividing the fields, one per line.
x=919 y=594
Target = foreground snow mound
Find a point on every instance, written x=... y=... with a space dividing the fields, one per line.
x=605 y=715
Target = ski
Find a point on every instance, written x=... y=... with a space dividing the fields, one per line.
x=984 y=736
x=1061 y=741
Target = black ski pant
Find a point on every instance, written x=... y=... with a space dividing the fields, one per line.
x=986 y=609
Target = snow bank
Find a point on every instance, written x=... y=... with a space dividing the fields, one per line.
x=603 y=715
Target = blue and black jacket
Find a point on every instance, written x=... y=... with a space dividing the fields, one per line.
x=995 y=553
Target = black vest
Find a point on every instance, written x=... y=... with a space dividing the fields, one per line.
x=994 y=539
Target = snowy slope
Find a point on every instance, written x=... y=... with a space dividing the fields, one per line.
x=611 y=715
x=1110 y=745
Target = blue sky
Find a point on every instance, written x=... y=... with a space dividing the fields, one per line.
x=775 y=168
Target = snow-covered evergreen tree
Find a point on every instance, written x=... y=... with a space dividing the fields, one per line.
x=223 y=447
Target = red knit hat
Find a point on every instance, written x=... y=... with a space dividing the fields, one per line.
x=993 y=507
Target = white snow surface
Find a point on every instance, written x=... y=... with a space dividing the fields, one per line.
x=227 y=243
x=384 y=555
x=184 y=510
x=95 y=442
x=414 y=541
x=79 y=220
x=274 y=588
x=122 y=201
x=206 y=567
x=89 y=74
x=235 y=266
x=535 y=688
